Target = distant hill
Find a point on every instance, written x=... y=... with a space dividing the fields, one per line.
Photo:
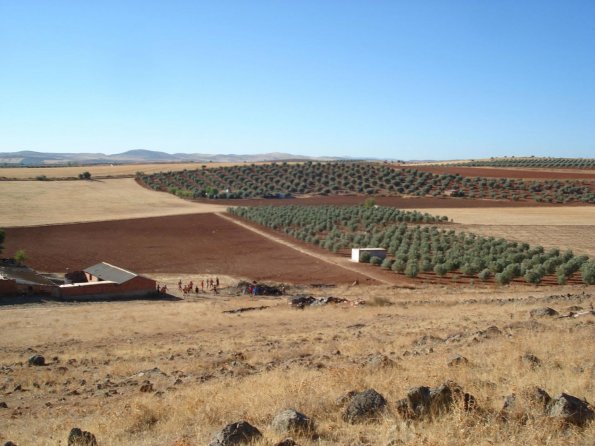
x=32 y=158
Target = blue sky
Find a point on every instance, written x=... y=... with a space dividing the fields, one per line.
x=388 y=79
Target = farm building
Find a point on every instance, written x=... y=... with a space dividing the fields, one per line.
x=108 y=281
x=356 y=253
x=16 y=278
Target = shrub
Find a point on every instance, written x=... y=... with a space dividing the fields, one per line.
x=504 y=278
x=365 y=257
x=387 y=263
x=440 y=270
x=533 y=276
x=588 y=272
x=484 y=275
x=411 y=270
x=375 y=260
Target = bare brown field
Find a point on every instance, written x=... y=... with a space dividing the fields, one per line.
x=207 y=368
x=179 y=244
x=508 y=172
x=102 y=171
x=30 y=203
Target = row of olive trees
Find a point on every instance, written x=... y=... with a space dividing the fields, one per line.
x=415 y=248
x=534 y=162
x=272 y=180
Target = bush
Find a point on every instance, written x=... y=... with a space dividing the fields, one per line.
x=533 y=276
x=375 y=260
x=484 y=275
x=411 y=270
x=387 y=263
x=588 y=272
x=365 y=257
x=440 y=270
x=504 y=278
x=86 y=175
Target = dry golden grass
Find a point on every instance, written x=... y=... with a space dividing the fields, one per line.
x=580 y=239
x=520 y=216
x=221 y=368
x=30 y=203
x=103 y=171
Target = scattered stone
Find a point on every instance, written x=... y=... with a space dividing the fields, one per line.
x=146 y=386
x=306 y=301
x=364 y=405
x=36 y=360
x=379 y=361
x=287 y=442
x=531 y=360
x=78 y=437
x=543 y=312
x=241 y=432
x=570 y=410
x=425 y=402
x=457 y=360
x=292 y=421
x=244 y=309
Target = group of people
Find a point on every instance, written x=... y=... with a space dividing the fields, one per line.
x=212 y=284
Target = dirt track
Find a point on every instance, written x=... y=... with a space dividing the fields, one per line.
x=183 y=244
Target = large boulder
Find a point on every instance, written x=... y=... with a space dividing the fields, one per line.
x=543 y=312
x=363 y=406
x=570 y=410
x=78 y=437
x=241 y=432
x=292 y=421
x=36 y=360
x=425 y=402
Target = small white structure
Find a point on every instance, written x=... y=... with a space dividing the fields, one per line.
x=374 y=252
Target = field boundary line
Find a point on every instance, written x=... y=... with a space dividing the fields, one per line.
x=325 y=258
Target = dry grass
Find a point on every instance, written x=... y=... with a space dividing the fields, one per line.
x=221 y=368
x=580 y=239
x=520 y=216
x=102 y=171
x=31 y=203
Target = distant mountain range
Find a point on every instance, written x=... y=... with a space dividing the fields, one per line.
x=31 y=158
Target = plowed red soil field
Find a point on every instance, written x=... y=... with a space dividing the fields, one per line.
x=496 y=172
x=181 y=244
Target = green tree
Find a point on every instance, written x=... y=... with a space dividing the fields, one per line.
x=20 y=256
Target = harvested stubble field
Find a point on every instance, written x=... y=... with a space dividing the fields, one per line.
x=100 y=171
x=31 y=203
x=201 y=369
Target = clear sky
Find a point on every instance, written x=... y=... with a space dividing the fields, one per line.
x=416 y=79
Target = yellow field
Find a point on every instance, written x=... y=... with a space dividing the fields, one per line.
x=103 y=171
x=520 y=216
x=208 y=369
x=31 y=203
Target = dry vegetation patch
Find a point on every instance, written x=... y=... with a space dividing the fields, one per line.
x=207 y=369
x=30 y=203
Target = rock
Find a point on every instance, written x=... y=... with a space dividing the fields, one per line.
x=287 y=442
x=571 y=410
x=241 y=432
x=146 y=386
x=537 y=396
x=364 y=405
x=379 y=361
x=574 y=308
x=10 y=443
x=3 y=405
x=344 y=399
x=457 y=360
x=290 y=421
x=425 y=402
x=531 y=360
x=543 y=312
x=36 y=360
x=78 y=437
